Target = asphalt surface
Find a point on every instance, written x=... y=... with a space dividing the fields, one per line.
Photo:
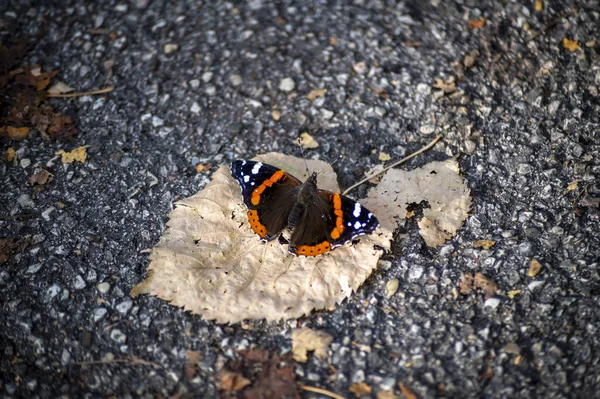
x=523 y=121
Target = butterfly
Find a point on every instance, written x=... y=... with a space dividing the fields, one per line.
x=319 y=220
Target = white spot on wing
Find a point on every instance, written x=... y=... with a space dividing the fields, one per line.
x=349 y=224
x=357 y=209
x=246 y=179
x=256 y=168
x=370 y=215
x=357 y=225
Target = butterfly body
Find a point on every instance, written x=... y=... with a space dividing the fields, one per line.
x=319 y=220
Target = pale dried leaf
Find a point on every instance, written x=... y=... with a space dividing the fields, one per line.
x=534 y=268
x=360 y=390
x=438 y=183
x=307 y=141
x=314 y=94
x=471 y=282
x=384 y=156
x=485 y=244
x=211 y=263
x=374 y=174
x=230 y=381
x=305 y=340
x=60 y=88
x=391 y=287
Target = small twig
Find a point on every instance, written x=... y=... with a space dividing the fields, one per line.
x=135 y=361
x=85 y=93
x=321 y=391
x=414 y=154
x=579 y=195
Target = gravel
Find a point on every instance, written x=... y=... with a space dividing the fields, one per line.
x=197 y=82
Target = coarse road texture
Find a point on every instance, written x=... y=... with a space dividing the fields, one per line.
x=199 y=81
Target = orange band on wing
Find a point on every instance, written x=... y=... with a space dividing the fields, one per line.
x=256 y=225
x=279 y=175
x=339 y=220
x=314 y=250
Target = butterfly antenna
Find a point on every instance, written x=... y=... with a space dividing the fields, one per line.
x=303 y=156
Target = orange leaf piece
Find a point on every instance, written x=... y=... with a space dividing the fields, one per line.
x=477 y=23
x=406 y=391
x=230 y=381
x=570 y=45
x=14 y=133
x=360 y=390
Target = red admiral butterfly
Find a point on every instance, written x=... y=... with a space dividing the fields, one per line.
x=320 y=220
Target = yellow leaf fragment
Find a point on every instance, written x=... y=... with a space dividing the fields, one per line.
x=573 y=185
x=305 y=340
x=384 y=157
x=534 y=268
x=201 y=167
x=448 y=86
x=314 y=94
x=513 y=294
x=307 y=141
x=391 y=287
x=485 y=244
x=386 y=395
x=11 y=154
x=15 y=133
x=360 y=390
x=406 y=391
x=570 y=45
x=333 y=40
x=539 y=5
x=77 y=155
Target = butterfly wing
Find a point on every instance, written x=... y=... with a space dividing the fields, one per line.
x=268 y=193
x=330 y=222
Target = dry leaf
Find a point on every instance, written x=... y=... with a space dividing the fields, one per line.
x=512 y=294
x=333 y=41
x=539 y=5
x=230 y=381
x=438 y=183
x=360 y=390
x=193 y=356
x=203 y=167
x=573 y=185
x=307 y=141
x=448 y=86
x=11 y=154
x=276 y=114
x=374 y=174
x=305 y=340
x=40 y=178
x=406 y=391
x=14 y=133
x=472 y=282
x=314 y=94
x=62 y=127
x=60 y=88
x=485 y=244
x=570 y=45
x=391 y=287
x=534 y=268
x=211 y=263
x=12 y=246
x=386 y=395
x=384 y=157
x=77 y=155
x=476 y=23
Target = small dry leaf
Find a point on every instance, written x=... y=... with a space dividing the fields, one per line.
x=386 y=395
x=77 y=155
x=40 y=178
x=314 y=94
x=276 y=114
x=384 y=157
x=230 y=381
x=305 y=340
x=360 y=390
x=573 y=185
x=201 y=167
x=374 y=174
x=485 y=244
x=333 y=41
x=534 y=268
x=307 y=141
x=438 y=183
x=60 y=88
x=11 y=154
x=570 y=45
x=406 y=391
x=476 y=23
x=472 y=282
x=448 y=86
x=513 y=294
x=12 y=246
x=14 y=133
x=539 y=5
x=211 y=263
x=391 y=287
x=193 y=356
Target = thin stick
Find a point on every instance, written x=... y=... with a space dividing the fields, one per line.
x=414 y=154
x=136 y=361
x=321 y=391
x=85 y=93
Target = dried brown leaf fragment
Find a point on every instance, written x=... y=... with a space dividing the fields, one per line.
x=472 y=282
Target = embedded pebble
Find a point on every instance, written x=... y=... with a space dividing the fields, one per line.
x=118 y=336
x=287 y=85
